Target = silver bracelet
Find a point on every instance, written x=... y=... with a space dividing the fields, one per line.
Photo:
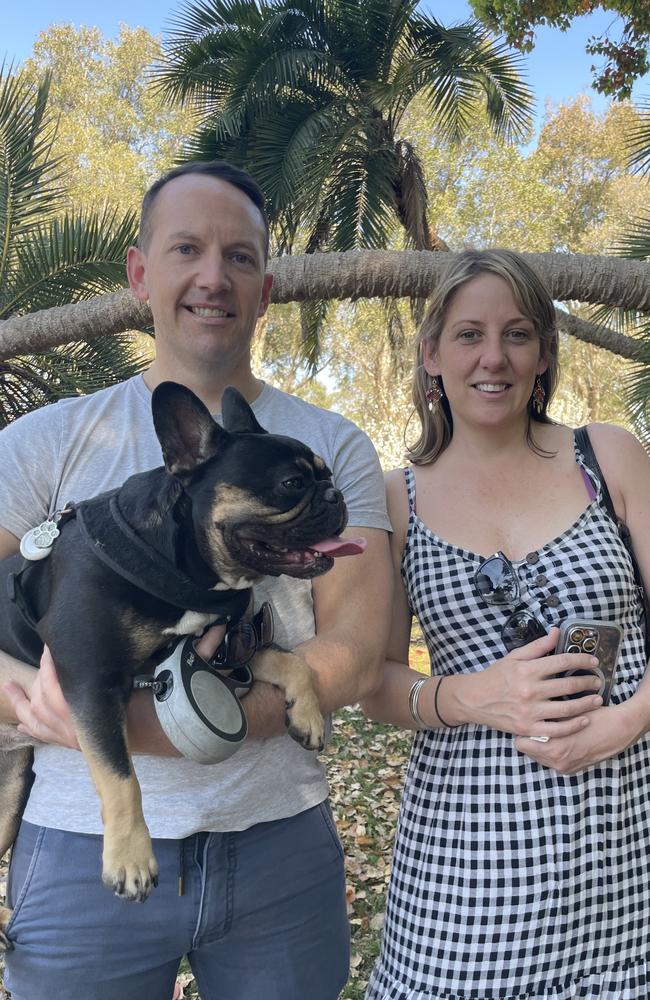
x=414 y=695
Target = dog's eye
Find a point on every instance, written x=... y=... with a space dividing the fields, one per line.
x=295 y=483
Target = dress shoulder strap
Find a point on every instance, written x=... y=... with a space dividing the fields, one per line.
x=410 y=487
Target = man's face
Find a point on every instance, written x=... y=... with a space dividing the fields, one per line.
x=203 y=272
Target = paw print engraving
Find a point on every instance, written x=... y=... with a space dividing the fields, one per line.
x=44 y=534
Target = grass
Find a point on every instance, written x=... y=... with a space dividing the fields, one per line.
x=365 y=767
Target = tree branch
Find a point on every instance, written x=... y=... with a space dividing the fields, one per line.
x=352 y=275
x=598 y=335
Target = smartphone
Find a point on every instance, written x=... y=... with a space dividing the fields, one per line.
x=600 y=639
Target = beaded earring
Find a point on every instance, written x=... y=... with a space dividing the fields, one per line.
x=434 y=394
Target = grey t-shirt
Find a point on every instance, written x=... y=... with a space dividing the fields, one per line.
x=79 y=447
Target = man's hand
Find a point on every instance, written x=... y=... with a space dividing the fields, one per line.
x=210 y=641
x=42 y=711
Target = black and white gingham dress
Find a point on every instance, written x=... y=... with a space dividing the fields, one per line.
x=510 y=880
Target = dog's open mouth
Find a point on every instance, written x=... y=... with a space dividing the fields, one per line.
x=312 y=560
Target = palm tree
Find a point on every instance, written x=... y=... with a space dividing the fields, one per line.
x=50 y=258
x=310 y=95
x=635 y=245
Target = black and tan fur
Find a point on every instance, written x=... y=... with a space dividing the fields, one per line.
x=229 y=506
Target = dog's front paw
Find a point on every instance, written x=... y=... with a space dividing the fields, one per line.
x=305 y=722
x=5 y=917
x=131 y=874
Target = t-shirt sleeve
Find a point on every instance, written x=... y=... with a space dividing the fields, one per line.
x=29 y=458
x=357 y=474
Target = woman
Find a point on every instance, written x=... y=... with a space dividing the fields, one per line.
x=522 y=859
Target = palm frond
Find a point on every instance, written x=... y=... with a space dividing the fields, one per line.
x=312 y=317
x=637 y=388
x=457 y=69
x=30 y=189
x=29 y=382
x=412 y=197
x=635 y=243
x=69 y=259
x=638 y=140
x=361 y=198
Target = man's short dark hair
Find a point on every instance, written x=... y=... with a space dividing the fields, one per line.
x=221 y=171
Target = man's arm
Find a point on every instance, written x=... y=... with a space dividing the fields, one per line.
x=352 y=607
x=11 y=670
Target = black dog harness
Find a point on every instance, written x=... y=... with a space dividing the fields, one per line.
x=115 y=542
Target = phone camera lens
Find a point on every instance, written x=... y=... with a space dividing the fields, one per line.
x=576 y=635
x=589 y=645
x=573 y=648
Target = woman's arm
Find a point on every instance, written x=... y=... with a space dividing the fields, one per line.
x=516 y=694
x=626 y=468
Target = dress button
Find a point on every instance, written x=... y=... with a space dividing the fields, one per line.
x=552 y=601
x=540 y=581
x=532 y=558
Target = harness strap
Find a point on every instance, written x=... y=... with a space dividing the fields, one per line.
x=16 y=594
x=119 y=546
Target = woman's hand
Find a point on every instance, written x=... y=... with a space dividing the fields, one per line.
x=610 y=731
x=523 y=694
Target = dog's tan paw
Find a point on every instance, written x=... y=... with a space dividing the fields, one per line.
x=305 y=723
x=131 y=878
x=5 y=917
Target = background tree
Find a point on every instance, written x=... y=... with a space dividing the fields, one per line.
x=114 y=131
x=48 y=258
x=634 y=244
x=626 y=58
x=571 y=192
x=310 y=97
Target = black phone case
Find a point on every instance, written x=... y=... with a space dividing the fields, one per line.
x=600 y=639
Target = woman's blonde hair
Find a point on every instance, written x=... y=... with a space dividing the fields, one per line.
x=531 y=296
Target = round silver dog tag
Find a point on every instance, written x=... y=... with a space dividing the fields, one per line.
x=37 y=543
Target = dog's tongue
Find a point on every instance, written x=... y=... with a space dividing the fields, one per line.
x=341 y=547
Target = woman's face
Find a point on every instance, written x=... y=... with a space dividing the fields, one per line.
x=488 y=354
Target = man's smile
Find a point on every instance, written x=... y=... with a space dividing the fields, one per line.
x=209 y=312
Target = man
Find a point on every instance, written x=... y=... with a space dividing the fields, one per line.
x=251 y=881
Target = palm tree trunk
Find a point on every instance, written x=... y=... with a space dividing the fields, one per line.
x=352 y=275
x=99 y=316
x=413 y=274
x=598 y=335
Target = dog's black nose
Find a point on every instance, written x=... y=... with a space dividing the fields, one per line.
x=333 y=496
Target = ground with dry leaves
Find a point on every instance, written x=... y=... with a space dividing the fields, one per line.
x=365 y=766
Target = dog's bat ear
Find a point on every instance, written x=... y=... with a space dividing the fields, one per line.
x=237 y=416
x=187 y=433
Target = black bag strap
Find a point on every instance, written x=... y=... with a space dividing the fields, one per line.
x=584 y=444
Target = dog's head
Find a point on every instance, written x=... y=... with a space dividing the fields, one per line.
x=262 y=504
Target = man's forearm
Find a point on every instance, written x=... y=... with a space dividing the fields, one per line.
x=263 y=706
x=344 y=671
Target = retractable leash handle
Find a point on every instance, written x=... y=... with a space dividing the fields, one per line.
x=197 y=706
